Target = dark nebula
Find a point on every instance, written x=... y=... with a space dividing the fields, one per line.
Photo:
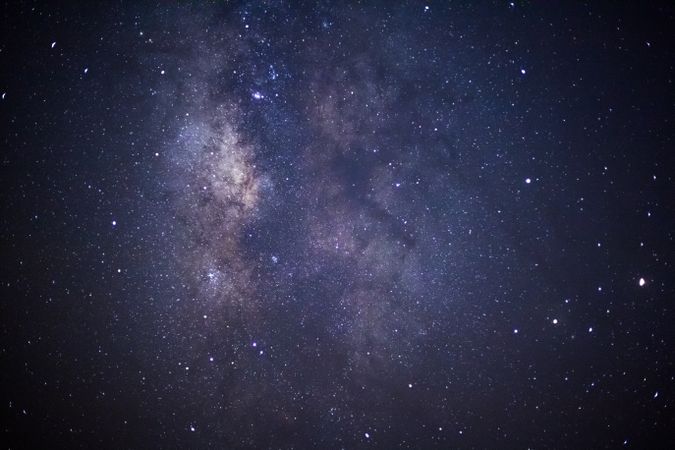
x=331 y=225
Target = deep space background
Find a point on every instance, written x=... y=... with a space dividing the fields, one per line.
x=372 y=224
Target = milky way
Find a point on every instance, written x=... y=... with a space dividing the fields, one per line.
x=337 y=225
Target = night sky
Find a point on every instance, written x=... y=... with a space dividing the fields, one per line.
x=337 y=225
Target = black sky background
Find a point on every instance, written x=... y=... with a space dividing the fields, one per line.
x=342 y=187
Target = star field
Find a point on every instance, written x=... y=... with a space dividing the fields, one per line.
x=337 y=225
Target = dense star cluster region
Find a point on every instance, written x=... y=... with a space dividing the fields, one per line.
x=337 y=225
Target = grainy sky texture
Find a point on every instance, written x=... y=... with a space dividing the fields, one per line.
x=337 y=225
